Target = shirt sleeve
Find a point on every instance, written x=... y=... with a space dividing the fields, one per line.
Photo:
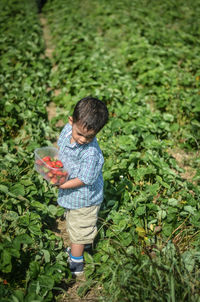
x=63 y=134
x=90 y=169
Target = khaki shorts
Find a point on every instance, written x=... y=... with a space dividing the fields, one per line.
x=81 y=224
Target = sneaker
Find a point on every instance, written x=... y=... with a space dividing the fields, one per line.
x=76 y=265
x=76 y=268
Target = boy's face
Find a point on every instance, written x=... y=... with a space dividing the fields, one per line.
x=80 y=134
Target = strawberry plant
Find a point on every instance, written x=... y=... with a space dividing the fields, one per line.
x=32 y=259
x=141 y=59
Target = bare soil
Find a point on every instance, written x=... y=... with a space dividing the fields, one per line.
x=184 y=160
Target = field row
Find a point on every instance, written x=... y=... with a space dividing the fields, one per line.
x=32 y=261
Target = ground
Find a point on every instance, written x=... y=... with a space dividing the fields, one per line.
x=184 y=161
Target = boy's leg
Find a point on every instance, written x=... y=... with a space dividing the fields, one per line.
x=77 y=249
x=81 y=226
x=76 y=261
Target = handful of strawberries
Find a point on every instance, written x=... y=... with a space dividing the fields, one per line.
x=51 y=169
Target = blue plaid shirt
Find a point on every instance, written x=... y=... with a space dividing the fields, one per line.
x=85 y=162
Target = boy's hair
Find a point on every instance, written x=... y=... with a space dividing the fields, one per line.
x=91 y=113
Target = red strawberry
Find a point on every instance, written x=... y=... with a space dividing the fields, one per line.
x=59 y=164
x=50 y=174
x=49 y=163
x=46 y=158
x=62 y=180
x=54 y=180
x=54 y=171
x=53 y=164
x=60 y=173
x=64 y=173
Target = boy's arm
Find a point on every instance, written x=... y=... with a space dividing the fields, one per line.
x=72 y=183
x=88 y=173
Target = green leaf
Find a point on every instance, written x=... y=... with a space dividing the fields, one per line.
x=189 y=209
x=195 y=219
x=26 y=182
x=88 y=258
x=46 y=282
x=60 y=211
x=46 y=255
x=22 y=239
x=53 y=210
x=168 y=117
x=189 y=260
x=6 y=262
x=141 y=210
x=11 y=216
x=164 y=184
x=39 y=206
x=17 y=189
x=161 y=214
x=167 y=229
x=3 y=189
x=35 y=228
x=34 y=269
x=126 y=239
x=152 y=189
x=173 y=202
x=141 y=231
x=18 y=296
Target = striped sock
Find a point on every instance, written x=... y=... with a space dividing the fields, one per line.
x=76 y=259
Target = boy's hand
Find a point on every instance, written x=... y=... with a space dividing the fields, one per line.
x=72 y=183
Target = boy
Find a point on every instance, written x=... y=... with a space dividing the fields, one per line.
x=82 y=193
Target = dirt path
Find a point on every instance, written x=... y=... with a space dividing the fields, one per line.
x=71 y=295
x=51 y=108
x=184 y=161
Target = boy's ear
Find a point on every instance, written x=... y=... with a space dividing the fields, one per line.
x=70 y=120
